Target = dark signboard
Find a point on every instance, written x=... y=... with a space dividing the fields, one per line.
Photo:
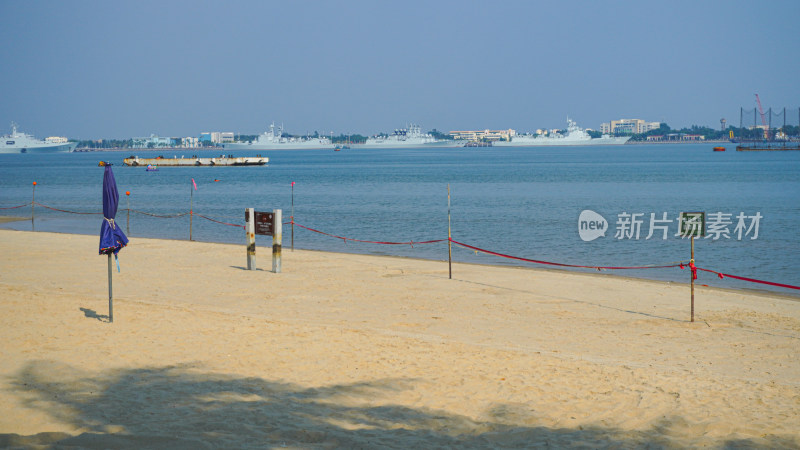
x=263 y=222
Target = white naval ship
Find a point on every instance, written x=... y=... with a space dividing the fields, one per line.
x=272 y=140
x=574 y=136
x=17 y=142
x=408 y=138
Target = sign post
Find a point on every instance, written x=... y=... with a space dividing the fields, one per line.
x=249 y=228
x=692 y=224
x=268 y=224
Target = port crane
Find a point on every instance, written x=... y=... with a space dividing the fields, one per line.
x=763 y=120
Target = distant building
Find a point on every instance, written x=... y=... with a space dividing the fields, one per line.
x=484 y=135
x=216 y=137
x=628 y=126
x=154 y=141
x=190 y=142
x=226 y=137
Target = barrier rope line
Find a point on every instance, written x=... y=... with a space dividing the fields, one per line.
x=171 y=216
x=15 y=207
x=217 y=221
x=502 y=255
x=345 y=239
x=752 y=280
x=680 y=264
x=65 y=211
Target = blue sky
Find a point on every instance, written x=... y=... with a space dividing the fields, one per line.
x=101 y=69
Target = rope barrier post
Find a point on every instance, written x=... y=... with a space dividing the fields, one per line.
x=33 y=201
x=191 y=209
x=128 y=220
x=250 y=231
x=691 y=225
x=449 y=237
x=291 y=218
x=277 y=238
x=691 y=275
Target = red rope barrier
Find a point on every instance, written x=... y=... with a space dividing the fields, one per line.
x=561 y=264
x=471 y=247
x=64 y=210
x=15 y=207
x=752 y=280
x=217 y=221
x=345 y=239
x=172 y=216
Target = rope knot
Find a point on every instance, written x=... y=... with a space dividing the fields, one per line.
x=694 y=269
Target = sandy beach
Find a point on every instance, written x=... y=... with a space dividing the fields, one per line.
x=354 y=351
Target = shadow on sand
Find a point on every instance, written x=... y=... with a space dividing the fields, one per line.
x=92 y=314
x=185 y=407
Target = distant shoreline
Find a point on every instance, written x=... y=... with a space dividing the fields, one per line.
x=187 y=149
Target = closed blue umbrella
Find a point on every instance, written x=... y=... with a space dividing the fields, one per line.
x=112 y=239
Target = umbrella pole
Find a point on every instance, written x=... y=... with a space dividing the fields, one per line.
x=110 y=295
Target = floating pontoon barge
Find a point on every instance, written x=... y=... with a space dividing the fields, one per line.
x=224 y=160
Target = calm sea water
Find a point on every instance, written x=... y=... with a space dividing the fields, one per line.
x=519 y=201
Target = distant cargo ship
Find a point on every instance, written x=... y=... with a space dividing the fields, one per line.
x=273 y=140
x=574 y=136
x=409 y=138
x=17 y=142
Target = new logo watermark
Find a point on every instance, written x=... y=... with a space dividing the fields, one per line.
x=714 y=226
x=591 y=225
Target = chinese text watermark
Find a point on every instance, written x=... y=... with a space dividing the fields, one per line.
x=635 y=226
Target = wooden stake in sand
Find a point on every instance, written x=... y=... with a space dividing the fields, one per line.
x=691 y=274
x=292 y=216
x=691 y=225
x=128 y=219
x=33 y=200
x=191 y=207
x=449 y=242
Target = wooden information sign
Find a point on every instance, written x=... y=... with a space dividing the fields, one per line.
x=264 y=224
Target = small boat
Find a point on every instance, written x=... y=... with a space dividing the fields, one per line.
x=151 y=168
x=719 y=149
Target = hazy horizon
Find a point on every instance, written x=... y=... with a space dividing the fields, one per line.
x=92 y=70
